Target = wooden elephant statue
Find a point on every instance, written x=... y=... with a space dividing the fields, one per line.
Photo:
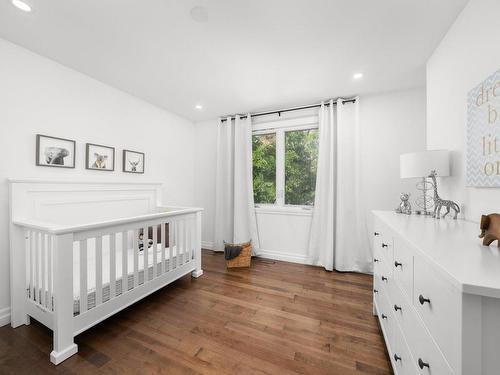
x=490 y=229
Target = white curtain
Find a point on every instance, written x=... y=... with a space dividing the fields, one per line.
x=235 y=219
x=338 y=238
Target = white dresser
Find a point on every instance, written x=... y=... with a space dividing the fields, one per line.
x=436 y=292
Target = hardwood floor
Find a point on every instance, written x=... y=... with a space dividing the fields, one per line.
x=275 y=318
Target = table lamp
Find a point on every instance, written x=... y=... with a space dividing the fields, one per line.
x=420 y=165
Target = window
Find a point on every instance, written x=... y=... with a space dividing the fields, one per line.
x=264 y=168
x=285 y=160
x=301 y=162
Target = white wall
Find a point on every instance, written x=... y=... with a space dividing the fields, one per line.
x=467 y=55
x=391 y=124
x=205 y=166
x=38 y=95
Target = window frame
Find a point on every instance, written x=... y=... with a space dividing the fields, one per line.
x=280 y=128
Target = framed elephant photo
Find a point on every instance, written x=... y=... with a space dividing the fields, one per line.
x=55 y=152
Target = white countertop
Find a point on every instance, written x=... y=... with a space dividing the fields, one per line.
x=454 y=247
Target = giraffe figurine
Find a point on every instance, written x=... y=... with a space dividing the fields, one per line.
x=439 y=203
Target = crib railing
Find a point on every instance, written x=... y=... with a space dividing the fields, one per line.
x=167 y=244
x=39 y=256
x=113 y=264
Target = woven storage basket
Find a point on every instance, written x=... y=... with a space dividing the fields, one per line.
x=242 y=260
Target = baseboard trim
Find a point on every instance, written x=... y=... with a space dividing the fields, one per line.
x=4 y=316
x=209 y=245
x=284 y=256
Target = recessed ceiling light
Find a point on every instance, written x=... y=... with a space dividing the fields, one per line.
x=357 y=76
x=21 y=5
x=198 y=107
x=199 y=14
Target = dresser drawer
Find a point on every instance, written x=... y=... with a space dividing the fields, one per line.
x=383 y=241
x=428 y=358
x=403 y=266
x=386 y=319
x=420 y=343
x=401 y=358
x=438 y=303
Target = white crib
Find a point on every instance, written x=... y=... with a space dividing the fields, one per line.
x=75 y=257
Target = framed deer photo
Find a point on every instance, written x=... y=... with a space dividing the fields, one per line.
x=133 y=161
x=99 y=157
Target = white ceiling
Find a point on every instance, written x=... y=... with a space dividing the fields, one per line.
x=251 y=55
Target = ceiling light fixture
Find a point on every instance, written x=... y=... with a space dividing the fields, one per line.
x=199 y=107
x=357 y=76
x=21 y=5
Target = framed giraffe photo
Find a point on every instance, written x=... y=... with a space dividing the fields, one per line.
x=133 y=161
x=55 y=152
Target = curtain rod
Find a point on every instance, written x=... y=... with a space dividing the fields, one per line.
x=280 y=111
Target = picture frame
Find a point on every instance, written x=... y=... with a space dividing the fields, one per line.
x=55 y=152
x=133 y=161
x=99 y=157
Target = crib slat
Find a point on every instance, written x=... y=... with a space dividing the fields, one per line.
x=124 y=261
x=170 y=244
x=189 y=238
x=98 y=270
x=179 y=242
x=32 y=265
x=42 y=268
x=135 y=241
x=49 y=304
x=112 y=265
x=163 y=242
x=83 y=276
x=145 y=253
x=155 y=248
x=36 y=242
x=186 y=240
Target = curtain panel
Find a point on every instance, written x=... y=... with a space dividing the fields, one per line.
x=235 y=219
x=338 y=236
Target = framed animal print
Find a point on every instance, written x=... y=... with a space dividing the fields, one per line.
x=99 y=157
x=133 y=161
x=55 y=152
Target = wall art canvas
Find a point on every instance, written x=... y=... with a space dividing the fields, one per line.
x=99 y=157
x=133 y=161
x=483 y=133
x=55 y=152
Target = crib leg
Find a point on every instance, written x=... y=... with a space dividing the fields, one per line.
x=64 y=346
x=18 y=290
x=197 y=247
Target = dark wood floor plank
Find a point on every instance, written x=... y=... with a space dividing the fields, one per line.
x=274 y=318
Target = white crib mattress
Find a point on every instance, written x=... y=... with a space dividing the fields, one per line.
x=91 y=264
x=119 y=282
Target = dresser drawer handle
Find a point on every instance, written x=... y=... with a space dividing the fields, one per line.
x=384 y=278
x=375 y=291
x=396 y=308
x=375 y=260
x=397 y=264
x=397 y=357
x=385 y=245
x=422 y=364
x=423 y=300
x=376 y=234
x=384 y=316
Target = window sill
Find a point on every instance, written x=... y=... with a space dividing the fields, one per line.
x=284 y=210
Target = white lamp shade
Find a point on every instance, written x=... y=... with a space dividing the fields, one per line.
x=420 y=164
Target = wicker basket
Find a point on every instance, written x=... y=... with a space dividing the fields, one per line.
x=242 y=260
